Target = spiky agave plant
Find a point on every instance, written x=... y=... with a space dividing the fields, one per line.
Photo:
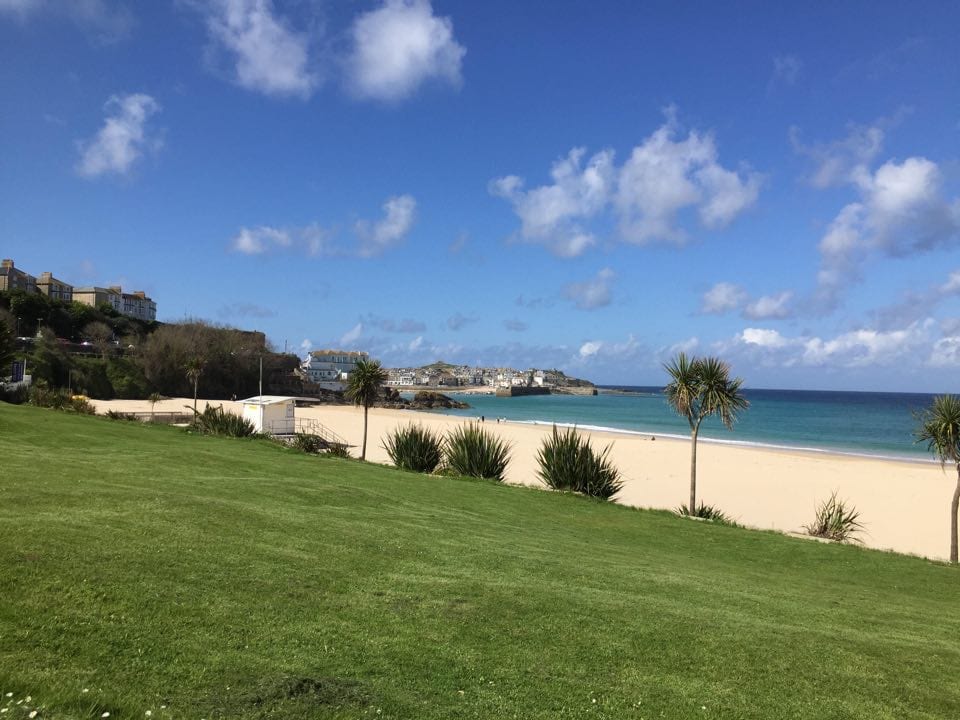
x=473 y=452
x=568 y=462
x=706 y=512
x=835 y=520
x=214 y=421
x=414 y=448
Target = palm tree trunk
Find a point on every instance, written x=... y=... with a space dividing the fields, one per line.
x=693 y=469
x=195 y=397
x=363 y=451
x=954 y=506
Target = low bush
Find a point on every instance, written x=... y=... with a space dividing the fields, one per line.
x=312 y=444
x=338 y=451
x=42 y=395
x=214 y=421
x=14 y=395
x=706 y=512
x=473 y=452
x=82 y=405
x=116 y=415
x=834 y=520
x=414 y=448
x=568 y=462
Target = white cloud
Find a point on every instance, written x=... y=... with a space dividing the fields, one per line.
x=122 y=139
x=901 y=212
x=352 y=335
x=306 y=344
x=770 y=306
x=551 y=214
x=398 y=47
x=593 y=293
x=399 y=215
x=843 y=161
x=721 y=298
x=866 y=347
x=254 y=241
x=267 y=55
x=946 y=352
x=590 y=348
x=662 y=178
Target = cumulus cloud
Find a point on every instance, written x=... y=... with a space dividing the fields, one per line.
x=663 y=177
x=865 y=347
x=769 y=307
x=843 y=161
x=398 y=47
x=266 y=54
x=594 y=353
x=376 y=237
x=722 y=298
x=258 y=240
x=593 y=293
x=306 y=344
x=901 y=211
x=122 y=139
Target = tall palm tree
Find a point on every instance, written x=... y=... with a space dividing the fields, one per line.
x=194 y=368
x=363 y=388
x=939 y=427
x=699 y=388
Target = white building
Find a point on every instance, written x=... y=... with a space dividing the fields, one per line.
x=331 y=368
x=271 y=414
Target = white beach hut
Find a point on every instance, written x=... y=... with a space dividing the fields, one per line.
x=271 y=414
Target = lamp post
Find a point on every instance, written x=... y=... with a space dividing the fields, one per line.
x=261 y=391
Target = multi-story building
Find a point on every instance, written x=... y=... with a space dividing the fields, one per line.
x=331 y=366
x=138 y=305
x=97 y=296
x=13 y=279
x=53 y=288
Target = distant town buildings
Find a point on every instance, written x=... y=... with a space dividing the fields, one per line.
x=136 y=304
x=441 y=375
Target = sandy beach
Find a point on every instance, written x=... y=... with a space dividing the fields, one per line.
x=903 y=505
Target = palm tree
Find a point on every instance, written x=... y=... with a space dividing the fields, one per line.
x=153 y=399
x=363 y=388
x=194 y=368
x=698 y=388
x=940 y=428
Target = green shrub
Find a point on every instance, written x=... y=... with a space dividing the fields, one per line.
x=338 y=451
x=568 y=462
x=473 y=452
x=414 y=448
x=706 y=512
x=42 y=395
x=308 y=443
x=82 y=405
x=15 y=395
x=835 y=521
x=214 y=421
x=116 y=415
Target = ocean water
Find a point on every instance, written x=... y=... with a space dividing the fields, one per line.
x=860 y=423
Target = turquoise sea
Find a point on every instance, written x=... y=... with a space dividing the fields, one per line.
x=862 y=423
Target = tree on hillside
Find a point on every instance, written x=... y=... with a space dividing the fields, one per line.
x=7 y=348
x=363 y=388
x=699 y=388
x=939 y=427
x=100 y=334
x=194 y=368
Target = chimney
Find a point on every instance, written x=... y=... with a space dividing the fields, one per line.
x=7 y=263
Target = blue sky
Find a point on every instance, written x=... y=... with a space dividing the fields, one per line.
x=590 y=186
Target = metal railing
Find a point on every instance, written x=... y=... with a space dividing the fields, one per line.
x=306 y=426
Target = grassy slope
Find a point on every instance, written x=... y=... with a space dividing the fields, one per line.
x=228 y=578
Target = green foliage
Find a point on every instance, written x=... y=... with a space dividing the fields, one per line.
x=473 y=452
x=700 y=387
x=414 y=448
x=338 y=451
x=312 y=444
x=939 y=427
x=42 y=395
x=364 y=383
x=15 y=395
x=116 y=415
x=568 y=462
x=82 y=405
x=706 y=512
x=834 y=520
x=7 y=349
x=126 y=378
x=215 y=421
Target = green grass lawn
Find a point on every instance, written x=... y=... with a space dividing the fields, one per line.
x=145 y=569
